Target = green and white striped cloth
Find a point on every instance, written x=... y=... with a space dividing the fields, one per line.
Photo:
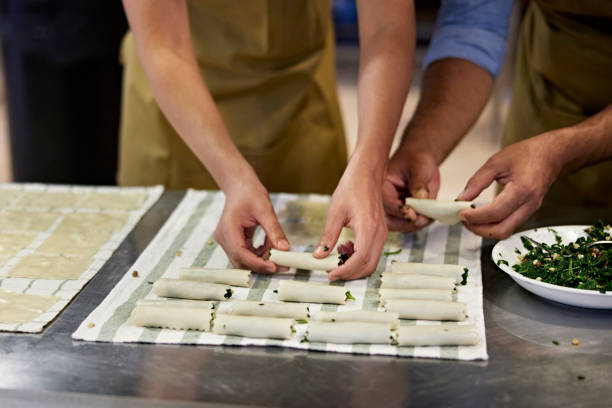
x=186 y=240
x=65 y=290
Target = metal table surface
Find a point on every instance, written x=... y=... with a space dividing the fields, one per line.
x=524 y=369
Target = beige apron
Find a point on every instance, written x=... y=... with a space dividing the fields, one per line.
x=564 y=76
x=269 y=65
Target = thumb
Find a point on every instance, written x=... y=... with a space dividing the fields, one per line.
x=274 y=232
x=482 y=179
x=331 y=232
x=420 y=177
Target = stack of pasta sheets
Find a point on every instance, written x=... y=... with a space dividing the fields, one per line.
x=186 y=240
x=53 y=239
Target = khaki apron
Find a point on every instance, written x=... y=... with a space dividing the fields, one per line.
x=564 y=76
x=269 y=65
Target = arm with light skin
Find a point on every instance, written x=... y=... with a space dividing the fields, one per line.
x=163 y=42
x=387 y=38
x=453 y=94
x=528 y=168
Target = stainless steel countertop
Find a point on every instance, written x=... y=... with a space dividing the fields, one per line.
x=524 y=369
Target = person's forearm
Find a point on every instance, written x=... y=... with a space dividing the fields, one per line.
x=163 y=42
x=586 y=143
x=453 y=94
x=387 y=37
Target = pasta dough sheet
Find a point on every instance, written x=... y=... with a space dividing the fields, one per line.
x=188 y=289
x=251 y=326
x=172 y=314
x=432 y=294
x=304 y=260
x=49 y=267
x=410 y=281
x=447 y=212
x=427 y=309
x=367 y=316
x=85 y=223
x=22 y=308
x=295 y=311
x=444 y=335
x=234 y=277
x=453 y=271
x=12 y=243
x=48 y=200
x=350 y=332
x=295 y=291
x=32 y=221
x=74 y=243
x=7 y=196
x=125 y=201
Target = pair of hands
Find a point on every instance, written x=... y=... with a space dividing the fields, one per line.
x=526 y=169
x=356 y=203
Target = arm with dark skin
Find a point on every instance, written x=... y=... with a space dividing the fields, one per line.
x=163 y=42
x=528 y=168
x=387 y=38
x=454 y=93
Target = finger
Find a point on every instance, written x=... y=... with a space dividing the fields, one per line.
x=478 y=182
x=506 y=227
x=239 y=254
x=391 y=202
x=274 y=231
x=508 y=201
x=400 y=224
x=333 y=227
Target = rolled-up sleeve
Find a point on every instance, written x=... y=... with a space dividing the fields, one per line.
x=475 y=30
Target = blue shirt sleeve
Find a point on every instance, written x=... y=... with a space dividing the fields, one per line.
x=475 y=30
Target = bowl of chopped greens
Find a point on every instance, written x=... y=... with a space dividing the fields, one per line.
x=558 y=263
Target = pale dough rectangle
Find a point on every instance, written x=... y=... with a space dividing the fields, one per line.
x=36 y=266
x=119 y=201
x=92 y=223
x=454 y=271
x=304 y=260
x=297 y=311
x=74 y=243
x=48 y=200
x=410 y=281
x=251 y=326
x=234 y=277
x=21 y=308
x=31 y=221
x=367 y=316
x=427 y=309
x=187 y=289
x=432 y=294
x=173 y=314
x=350 y=332
x=307 y=292
x=447 y=212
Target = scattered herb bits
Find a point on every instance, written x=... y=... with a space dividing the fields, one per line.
x=572 y=265
x=555 y=342
x=395 y=252
x=349 y=296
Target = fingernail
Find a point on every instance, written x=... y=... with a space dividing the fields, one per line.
x=422 y=192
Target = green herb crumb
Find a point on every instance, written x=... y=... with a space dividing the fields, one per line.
x=555 y=342
x=301 y=321
x=349 y=296
x=394 y=252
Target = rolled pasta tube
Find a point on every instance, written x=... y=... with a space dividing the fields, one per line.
x=189 y=289
x=367 y=316
x=454 y=271
x=303 y=260
x=172 y=314
x=253 y=326
x=447 y=212
x=432 y=294
x=297 y=311
x=414 y=281
x=427 y=309
x=234 y=277
x=295 y=291
x=350 y=332
x=444 y=335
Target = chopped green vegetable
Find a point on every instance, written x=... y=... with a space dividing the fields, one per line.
x=304 y=340
x=260 y=304
x=301 y=321
x=407 y=219
x=581 y=377
x=342 y=259
x=333 y=320
x=394 y=341
x=399 y=207
x=275 y=291
x=349 y=296
x=326 y=248
x=472 y=206
x=555 y=342
x=571 y=265
x=397 y=251
x=464 y=276
x=292 y=330
x=502 y=262
x=228 y=293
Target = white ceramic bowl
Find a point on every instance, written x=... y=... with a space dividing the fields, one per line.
x=570 y=296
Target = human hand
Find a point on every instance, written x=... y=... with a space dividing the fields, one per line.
x=526 y=169
x=356 y=203
x=246 y=207
x=411 y=172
